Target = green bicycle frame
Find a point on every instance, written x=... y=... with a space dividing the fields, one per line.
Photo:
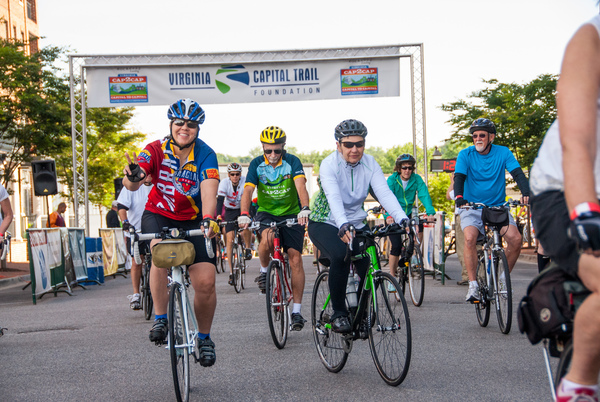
x=370 y=252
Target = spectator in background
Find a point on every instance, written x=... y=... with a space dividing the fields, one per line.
x=112 y=217
x=7 y=213
x=56 y=219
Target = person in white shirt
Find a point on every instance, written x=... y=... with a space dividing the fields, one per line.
x=130 y=205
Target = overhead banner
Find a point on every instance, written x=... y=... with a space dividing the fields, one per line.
x=242 y=83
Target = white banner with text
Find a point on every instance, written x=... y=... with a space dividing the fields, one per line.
x=242 y=83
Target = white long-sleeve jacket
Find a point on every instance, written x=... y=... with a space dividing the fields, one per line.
x=344 y=188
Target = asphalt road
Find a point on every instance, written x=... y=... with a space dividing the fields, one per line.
x=92 y=347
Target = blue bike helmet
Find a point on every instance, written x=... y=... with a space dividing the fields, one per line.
x=186 y=109
x=483 y=125
x=406 y=158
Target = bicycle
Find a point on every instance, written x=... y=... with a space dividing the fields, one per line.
x=146 y=299
x=378 y=317
x=278 y=286
x=493 y=275
x=146 y=302
x=238 y=260
x=221 y=251
x=410 y=267
x=176 y=253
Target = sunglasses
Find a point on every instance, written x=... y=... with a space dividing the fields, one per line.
x=350 y=145
x=276 y=151
x=480 y=135
x=234 y=174
x=180 y=123
x=407 y=168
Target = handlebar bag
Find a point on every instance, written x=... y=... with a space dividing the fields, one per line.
x=173 y=252
x=494 y=216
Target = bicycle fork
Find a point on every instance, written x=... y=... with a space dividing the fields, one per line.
x=189 y=330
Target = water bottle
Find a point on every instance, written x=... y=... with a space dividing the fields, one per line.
x=351 y=291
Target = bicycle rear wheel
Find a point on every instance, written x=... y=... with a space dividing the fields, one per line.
x=180 y=353
x=146 y=294
x=277 y=313
x=235 y=263
x=390 y=336
x=416 y=273
x=503 y=293
x=482 y=309
x=330 y=345
x=564 y=364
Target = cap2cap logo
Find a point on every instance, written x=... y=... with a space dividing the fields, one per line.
x=545 y=315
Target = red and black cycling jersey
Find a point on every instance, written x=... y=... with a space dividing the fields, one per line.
x=176 y=192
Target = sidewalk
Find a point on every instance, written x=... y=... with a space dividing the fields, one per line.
x=15 y=272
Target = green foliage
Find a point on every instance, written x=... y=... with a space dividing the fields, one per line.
x=34 y=106
x=35 y=122
x=522 y=114
x=438 y=185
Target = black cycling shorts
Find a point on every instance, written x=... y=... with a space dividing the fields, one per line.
x=551 y=221
x=231 y=215
x=153 y=223
x=291 y=237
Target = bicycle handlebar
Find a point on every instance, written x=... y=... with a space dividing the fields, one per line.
x=168 y=233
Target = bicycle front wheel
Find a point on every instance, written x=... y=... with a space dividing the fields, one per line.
x=221 y=263
x=416 y=273
x=242 y=259
x=146 y=294
x=330 y=345
x=235 y=263
x=277 y=313
x=482 y=309
x=503 y=293
x=390 y=336
x=179 y=351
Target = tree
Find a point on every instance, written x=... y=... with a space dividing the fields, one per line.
x=522 y=114
x=108 y=138
x=35 y=122
x=34 y=105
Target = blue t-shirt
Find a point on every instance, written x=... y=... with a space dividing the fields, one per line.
x=486 y=179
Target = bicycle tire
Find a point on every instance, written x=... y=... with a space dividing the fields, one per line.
x=242 y=258
x=219 y=256
x=390 y=337
x=277 y=313
x=222 y=263
x=564 y=363
x=146 y=293
x=180 y=355
x=503 y=296
x=329 y=344
x=482 y=309
x=416 y=277
x=235 y=264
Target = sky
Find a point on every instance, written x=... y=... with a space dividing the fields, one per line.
x=465 y=41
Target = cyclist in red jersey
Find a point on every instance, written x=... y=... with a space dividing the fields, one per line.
x=185 y=175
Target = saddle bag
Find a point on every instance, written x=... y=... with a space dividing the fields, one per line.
x=548 y=308
x=172 y=252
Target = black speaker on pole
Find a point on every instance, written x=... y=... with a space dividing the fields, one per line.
x=118 y=186
x=44 y=177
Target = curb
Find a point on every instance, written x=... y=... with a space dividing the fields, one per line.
x=9 y=282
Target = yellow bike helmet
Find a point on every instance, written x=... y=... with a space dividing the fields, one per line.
x=272 y=135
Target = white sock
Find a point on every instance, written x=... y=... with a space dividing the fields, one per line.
x=473 y=284
x=570 y=385
x=296 y=308
x=263 y=269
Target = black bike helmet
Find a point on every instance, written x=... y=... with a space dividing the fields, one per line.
x=483 y=125
x=406 y=158
x=350 y=127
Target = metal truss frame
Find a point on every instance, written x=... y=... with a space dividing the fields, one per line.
x=78 y=64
